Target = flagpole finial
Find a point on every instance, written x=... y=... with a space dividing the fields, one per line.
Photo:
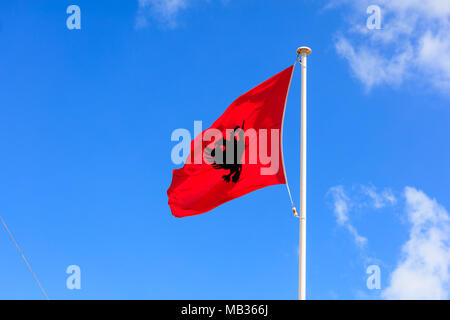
x=303 y=50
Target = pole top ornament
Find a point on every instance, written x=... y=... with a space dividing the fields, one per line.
x=304 y=50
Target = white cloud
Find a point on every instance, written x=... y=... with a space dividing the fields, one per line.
x=342 y=205
x=423 y=272
x=413 y=43
x=379 y=200
x=165 y=11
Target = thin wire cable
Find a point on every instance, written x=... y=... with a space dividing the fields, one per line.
x=23 y=257
x=294 y=210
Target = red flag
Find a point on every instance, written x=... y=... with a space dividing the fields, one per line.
x=240 y=153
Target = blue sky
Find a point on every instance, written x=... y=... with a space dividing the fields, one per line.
x=85 y=123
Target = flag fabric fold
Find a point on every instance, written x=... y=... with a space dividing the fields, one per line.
x=240 y=153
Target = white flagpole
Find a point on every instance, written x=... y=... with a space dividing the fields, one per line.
x=303 y=52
